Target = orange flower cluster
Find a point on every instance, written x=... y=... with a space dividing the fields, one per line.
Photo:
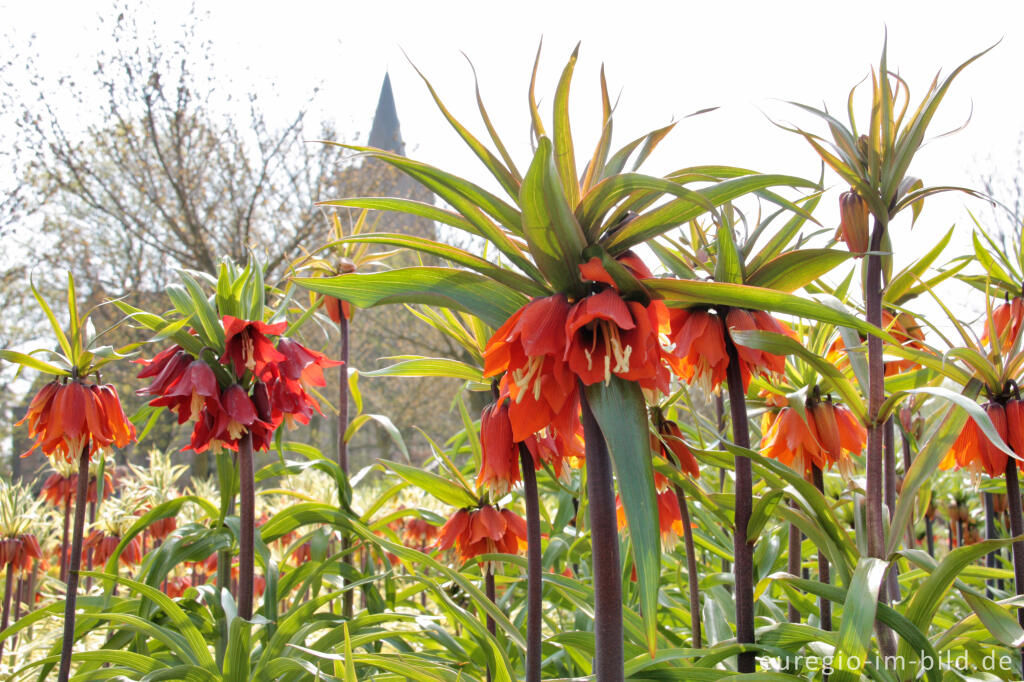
x=670 y=521
x=974 y=451
x=418 y=533
x=499 y=465
x=21 y=551
x=822 y=439
x=486 y=530
x=65 y=417
x=551 y=344
x=700 y=353
x=103 y=546
x=59 y=490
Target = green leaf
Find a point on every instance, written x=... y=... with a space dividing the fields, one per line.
x=565 y=154
x=552 y=233
x=728 y=265
x=780 y=344
x=472 y=293
x=620 y=410
x=795 y=269
x=858 y=619
x=692 y=292
x=441 y=488
x=678 y=211
x=455 y=255
x=411 y=366
x=33 y=363
x=239 y=650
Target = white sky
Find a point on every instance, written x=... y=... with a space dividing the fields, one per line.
x=667 y=59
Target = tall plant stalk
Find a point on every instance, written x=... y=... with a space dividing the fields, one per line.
x=75 y=564
x=64 y=540
x=889 y=442
x=876 y=396
x=534 y=567
x=824 y=571
x=692 y=578
x=343 y=355
x=8 y=591
x=743 y=551
x=991 y=559
x=609 y=663
x=489 y=591
x=1016 y=530
x=247 y=515
x=793 y=564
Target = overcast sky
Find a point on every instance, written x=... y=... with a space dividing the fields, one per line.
x=665 y=59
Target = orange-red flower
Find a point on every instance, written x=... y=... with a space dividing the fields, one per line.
x=418 y=532
x=670 y=444
x=821 y=438
x=21 y=550
x=247 y=347
x=485 y=530
x=529 y=351
x=558 y=449
x=700 y=352
x=904 y=327
x=103 y=546
x=499 y=465
x=670 y=522
x=64 y=417
x=974 y=451
x=608 y=335
x=1006 y=318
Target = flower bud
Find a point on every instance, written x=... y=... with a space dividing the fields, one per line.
x=853 y=223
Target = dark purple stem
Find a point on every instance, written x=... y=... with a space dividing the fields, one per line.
x=64 y=541
x=609 y=663
x=876 y=396
x=692 y=578
x=744 y=496
x=889 y=441
x=793 y=565
x=247 y=516
x=8 y=591
x=991 y=559
x=824 y=605
x=1016 y=530
x=71 y=596
x=343 y=355
x=489 y=591
x=534 y=568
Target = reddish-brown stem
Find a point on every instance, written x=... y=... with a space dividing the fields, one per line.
x=1016 y=530
x=489 y=591
x=247 y=516
x=794 y=561
x=8 y=591
x=991 y=559
x=343 y=355
x=64 y=541
x=71 y=596
x=692 y=578
x=743 y=551
x=889 y=462
x=534 y=567
x=609 y=663
x=876 y=396
x=824 y=605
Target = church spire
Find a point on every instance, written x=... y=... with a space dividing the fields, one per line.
x=385 y=132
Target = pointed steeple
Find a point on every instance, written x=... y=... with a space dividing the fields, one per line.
x=386 y=133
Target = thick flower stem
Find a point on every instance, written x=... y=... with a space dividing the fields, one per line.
x=247 y=516
x=8 y=591
x=534 y=567
x=64 y=541
x=793 y=565
x=876 y=396
x=71 y=596
x=692 y=578
x=991 y=559
x=824 y=572
x=889 y=441
x=743 y=550
x=343 y=353
x=609 y=663
x=1016 y=530
x=489 y=591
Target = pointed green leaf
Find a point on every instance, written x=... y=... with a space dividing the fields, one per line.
x=481 y=296
x=728 y=265
x=441 y=488
x=564 y=153
x=678 y=211
x=620 y=410
x=858 y=619
x=795 y=269
x=552 y=233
